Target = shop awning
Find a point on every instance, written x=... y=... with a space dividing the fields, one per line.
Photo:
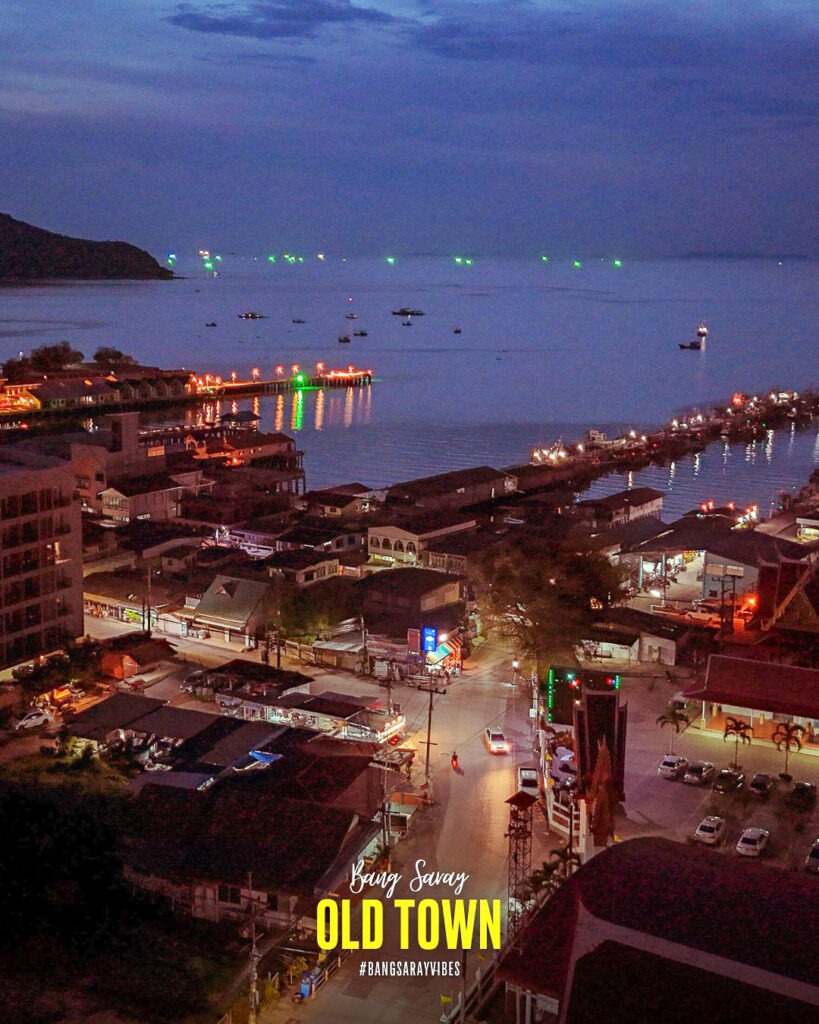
x=443 y=651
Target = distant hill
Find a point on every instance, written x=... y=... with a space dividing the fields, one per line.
x=28 y=253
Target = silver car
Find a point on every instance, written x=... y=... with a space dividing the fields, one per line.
x=753 y=842
x=710 y=831
x=699 y=772
x=672 y=766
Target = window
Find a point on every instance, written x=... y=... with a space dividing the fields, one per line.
x=230 y=894
x=399 y=546
x=375 y=542
x=386 y=545
x=272 y=901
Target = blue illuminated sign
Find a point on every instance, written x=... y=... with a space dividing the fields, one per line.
x=429 y=639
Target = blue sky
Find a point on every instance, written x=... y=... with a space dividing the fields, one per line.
x=506 y=126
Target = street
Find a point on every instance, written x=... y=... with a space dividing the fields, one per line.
x=465 y=828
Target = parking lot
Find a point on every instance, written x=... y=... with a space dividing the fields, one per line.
x=673 y=809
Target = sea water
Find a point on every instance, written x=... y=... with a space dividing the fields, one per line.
x=543 y=351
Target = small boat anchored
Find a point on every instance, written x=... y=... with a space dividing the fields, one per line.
x=250 y=315
x=698 y=344
x=296 y=321
x=406 y=311
x=344 y=339
x=359 y=334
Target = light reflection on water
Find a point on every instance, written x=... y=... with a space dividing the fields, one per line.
x=343 y=440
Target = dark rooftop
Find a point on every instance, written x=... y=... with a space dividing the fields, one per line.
x=702 y=899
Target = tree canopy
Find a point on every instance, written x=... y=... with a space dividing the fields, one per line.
x=44 y=359
x=539 y=591
x=108 y=356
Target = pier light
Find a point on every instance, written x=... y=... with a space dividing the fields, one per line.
x=295 y=369
x=350 y=369
x=580 y=448
x=320 y=255
x=632 y=433
x=319 y=367
x=217 y=380
x=254 y=373
x=279 y=371
x=675 y=424
x=643 y=438
x=233 y=376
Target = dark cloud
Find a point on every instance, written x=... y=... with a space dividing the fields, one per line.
x=277 y=19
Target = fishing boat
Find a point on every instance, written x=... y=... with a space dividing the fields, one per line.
x=250 y=315
x=406 y=311
x=698 y=344
x=344 y=339
x=359 y=334
x=296 y=321
x=456 y=330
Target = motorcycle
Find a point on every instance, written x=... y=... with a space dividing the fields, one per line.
x=454 y=761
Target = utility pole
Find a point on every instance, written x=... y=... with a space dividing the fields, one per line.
x=253 y=998
x=430 y=690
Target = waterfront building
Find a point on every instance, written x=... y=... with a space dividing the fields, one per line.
x=40 y=556
x=623 y=507
x=458 y=489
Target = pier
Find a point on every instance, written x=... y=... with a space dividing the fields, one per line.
x=577 y=464
x=207 y=386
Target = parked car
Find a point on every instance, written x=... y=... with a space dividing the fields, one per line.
x=496 y=742
x=812 y=859
x=753 y=842
x=728 y=780
x=192 y=680
x=672 y=766
x=761 y=785
x=711 y=830
x=528 y=781
x=564 y=771
x=32 y=720
x=699 y=614
x=802 y=796
x=698 y=773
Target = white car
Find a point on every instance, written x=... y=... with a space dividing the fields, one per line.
x=496 y=742
x=528 y=780
x=711 y=830
x=672 y=766
x=752 y=842
x=33 y=719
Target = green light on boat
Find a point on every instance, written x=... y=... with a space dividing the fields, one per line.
x=577 y=263
x=271 y=259
x=618 y=263
x=391 y=260
x=209 y=265
x=544 y=259
x=459 y=259
x=468 y=262
x=301 y=259
x=218 y=259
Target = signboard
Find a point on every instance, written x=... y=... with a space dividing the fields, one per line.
x=429 y=640
x=413 y=642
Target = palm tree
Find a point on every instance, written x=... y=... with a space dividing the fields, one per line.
x=742 y=732
x=677 y=719
x=788 y=735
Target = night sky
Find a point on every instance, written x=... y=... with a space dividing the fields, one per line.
x=506 y=127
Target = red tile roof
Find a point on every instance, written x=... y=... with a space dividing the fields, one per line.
x=761 y=685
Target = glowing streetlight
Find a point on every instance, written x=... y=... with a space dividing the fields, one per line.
x=254 y=373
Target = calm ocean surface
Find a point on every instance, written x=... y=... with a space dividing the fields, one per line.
x=545 y=351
